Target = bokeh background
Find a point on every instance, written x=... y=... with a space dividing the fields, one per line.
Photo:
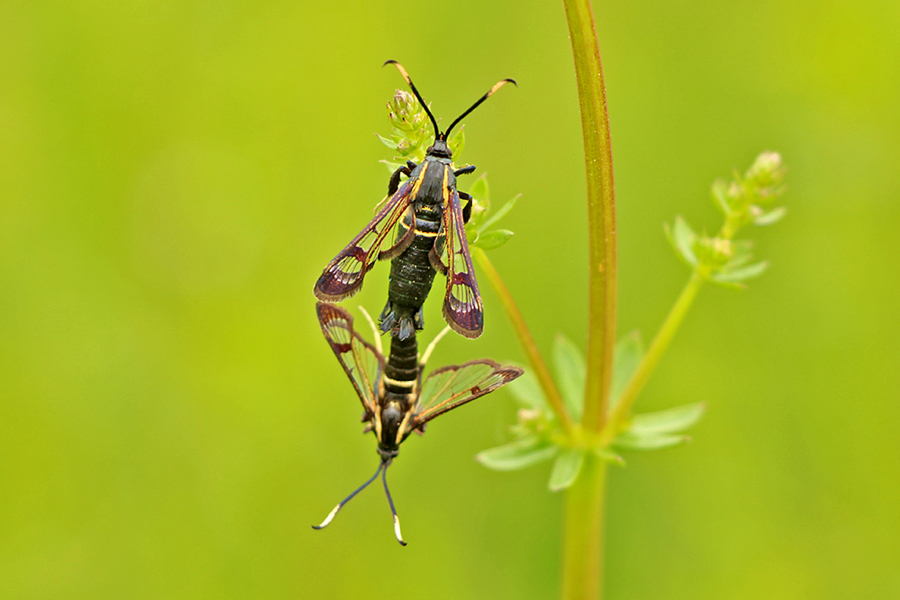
x=175 y=175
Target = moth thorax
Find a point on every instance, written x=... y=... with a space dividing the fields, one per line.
x=391 y=416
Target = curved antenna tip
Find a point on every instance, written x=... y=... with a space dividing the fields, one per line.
x=397 y=531
x=402 y=72
x=499 y=85
x=330 y=517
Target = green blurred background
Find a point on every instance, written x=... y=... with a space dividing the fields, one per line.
x=175 y=175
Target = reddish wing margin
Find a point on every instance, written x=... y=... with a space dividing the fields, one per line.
x=463 y=308
x=361 y=361
x=455 y=385
x=343 y=276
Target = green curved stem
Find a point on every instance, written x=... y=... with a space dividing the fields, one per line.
x=622 y=410
x=601 y=212
x=535 y=359
x=583 y=556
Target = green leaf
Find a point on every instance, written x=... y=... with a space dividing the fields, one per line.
x=609 y=456
x=672 y=420
x=630 y=441
x=566 y=468
x=387 y=142
x=773 y=216
x=500 y=213
x=391 y=166
x=739 y=260
x=682 y=239
x=493 y=239
x=481 y=203
x=527 y=391
x=480 y=190
x=570 y=374
x=720 y=196
x=458 y=142
x=735 y=275
x=730 y=285
x=628 y=355
x=517 y=455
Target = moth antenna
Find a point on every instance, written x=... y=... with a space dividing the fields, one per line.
x=391 y=502
x=375 y=331
x=432 y=345
x=334 y=512
x=490 y=93
x=409 y=82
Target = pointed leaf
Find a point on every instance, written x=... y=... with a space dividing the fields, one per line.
x=628 y=355
x=731 y=285
x=773 y=216
x=391 y=165
x=500 y=213
x=480 y=190
x=720 y=196
x=570 y=374
x=493 y=239
x=682 y=239
x=658 y=441
x=566 y=468
x=527 y=391
x=387 y=142
x=517 y=455
x=672 y=420
x=609 y=456
x=738 y=261
x=458 y=142
x=481 y=204
x=735 y=275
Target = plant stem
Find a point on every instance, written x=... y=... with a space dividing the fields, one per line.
x=601 y=212
x=525 y=338
x=583 y=555
x=622 y=409
x=583 y=552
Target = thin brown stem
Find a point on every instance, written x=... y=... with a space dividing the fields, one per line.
x=525 y=338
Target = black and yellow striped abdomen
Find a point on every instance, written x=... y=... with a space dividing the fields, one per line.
x=412 y=274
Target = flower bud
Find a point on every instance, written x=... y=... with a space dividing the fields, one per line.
x=767 y=171
x=404 y=111
x=714 y=252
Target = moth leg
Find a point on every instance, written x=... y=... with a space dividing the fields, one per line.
x=465 y=170
x=420 y=318
x=387 y=317
x=394 y=183
x=467 y=209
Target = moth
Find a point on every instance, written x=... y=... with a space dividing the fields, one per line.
x=431 y=237
x=396 y=399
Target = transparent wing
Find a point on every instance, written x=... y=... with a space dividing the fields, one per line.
x=454 y=385
x=361 y=361
x=343 y=276
x=463 y=308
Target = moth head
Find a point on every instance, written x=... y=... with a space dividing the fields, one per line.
x=440 y=148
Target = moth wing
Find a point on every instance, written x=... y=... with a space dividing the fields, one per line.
x=455 y=385
x=343 y=276
x=463 y=308
x=360 y=360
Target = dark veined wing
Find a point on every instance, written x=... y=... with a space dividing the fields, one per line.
x=361 y=361
x=343 y=276
x=463 y=308
x=454 y=385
